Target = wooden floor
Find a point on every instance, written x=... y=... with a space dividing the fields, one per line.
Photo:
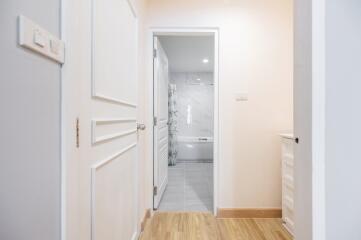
x=196 y=226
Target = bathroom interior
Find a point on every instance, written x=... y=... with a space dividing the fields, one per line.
x=190 y=123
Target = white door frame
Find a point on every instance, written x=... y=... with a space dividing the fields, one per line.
x=192 y=31
x=318 y=50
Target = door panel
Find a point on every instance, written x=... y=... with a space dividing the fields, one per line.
x=111 y=220
x=114 y=35
x=108 y=143
x=161 y=76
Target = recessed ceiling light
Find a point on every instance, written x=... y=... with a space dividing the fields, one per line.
x=198 y=79
x=205 y=60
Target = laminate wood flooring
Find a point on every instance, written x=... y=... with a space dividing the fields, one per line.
x=204 y=226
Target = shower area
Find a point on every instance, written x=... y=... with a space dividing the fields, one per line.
x=190 y=123
x=195 y=116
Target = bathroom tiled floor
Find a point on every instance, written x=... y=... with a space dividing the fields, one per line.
x=190 y=187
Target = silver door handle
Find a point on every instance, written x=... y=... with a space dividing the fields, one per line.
x=141 y=126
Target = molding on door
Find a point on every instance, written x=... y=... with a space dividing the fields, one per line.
x=110 y=99
x=100 y=96
x=112 y=157
x=249 y=213
x=94 y=168
x=104 y=138
x=113 y=120
x=109 y=137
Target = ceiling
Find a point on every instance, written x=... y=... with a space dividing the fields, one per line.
x=186 y=53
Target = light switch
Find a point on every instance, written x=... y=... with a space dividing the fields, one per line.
x=54 y=46
x=37 y=39
x=241 y=97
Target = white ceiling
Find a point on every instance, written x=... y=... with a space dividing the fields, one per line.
x=186 y=53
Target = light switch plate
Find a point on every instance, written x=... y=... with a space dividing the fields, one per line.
x=241 y=97
x=37 y=39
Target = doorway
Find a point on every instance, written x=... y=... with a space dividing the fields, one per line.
x=185 y=116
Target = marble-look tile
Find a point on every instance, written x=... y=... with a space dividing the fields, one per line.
x=172 y=207
x=195 y=102
x=202 y=196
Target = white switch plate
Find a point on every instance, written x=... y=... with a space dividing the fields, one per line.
x=37 y=39
x=241 y=97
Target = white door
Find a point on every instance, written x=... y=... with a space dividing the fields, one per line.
x=108 y=143
x=161 y=75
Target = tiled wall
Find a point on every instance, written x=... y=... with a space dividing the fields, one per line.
x=195 y=101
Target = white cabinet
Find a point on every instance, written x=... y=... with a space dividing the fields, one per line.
x=288 y=182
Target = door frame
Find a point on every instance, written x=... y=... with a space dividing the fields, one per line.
x=318 y=51
x=186 y=31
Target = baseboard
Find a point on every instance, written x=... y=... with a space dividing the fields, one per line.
x=147 y=216
x=249 y=213
x=135 y=236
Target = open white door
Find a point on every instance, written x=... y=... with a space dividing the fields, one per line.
x=161 y=75
x=108 y=187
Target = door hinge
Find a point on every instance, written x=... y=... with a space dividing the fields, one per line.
x=155 y=190
x=154 y=53
x=155 y=121
x=77 y=133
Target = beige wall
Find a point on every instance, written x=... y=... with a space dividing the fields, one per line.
x=255 y=57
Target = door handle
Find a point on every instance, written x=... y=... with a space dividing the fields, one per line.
x=141 y=126
x=297 y=140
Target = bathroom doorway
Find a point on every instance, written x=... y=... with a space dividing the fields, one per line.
x=185 y=116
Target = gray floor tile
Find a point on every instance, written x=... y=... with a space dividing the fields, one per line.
x=190 y=187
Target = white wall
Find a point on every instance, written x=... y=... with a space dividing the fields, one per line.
x=29 y=127
x=255 y=57
x=343 y=119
